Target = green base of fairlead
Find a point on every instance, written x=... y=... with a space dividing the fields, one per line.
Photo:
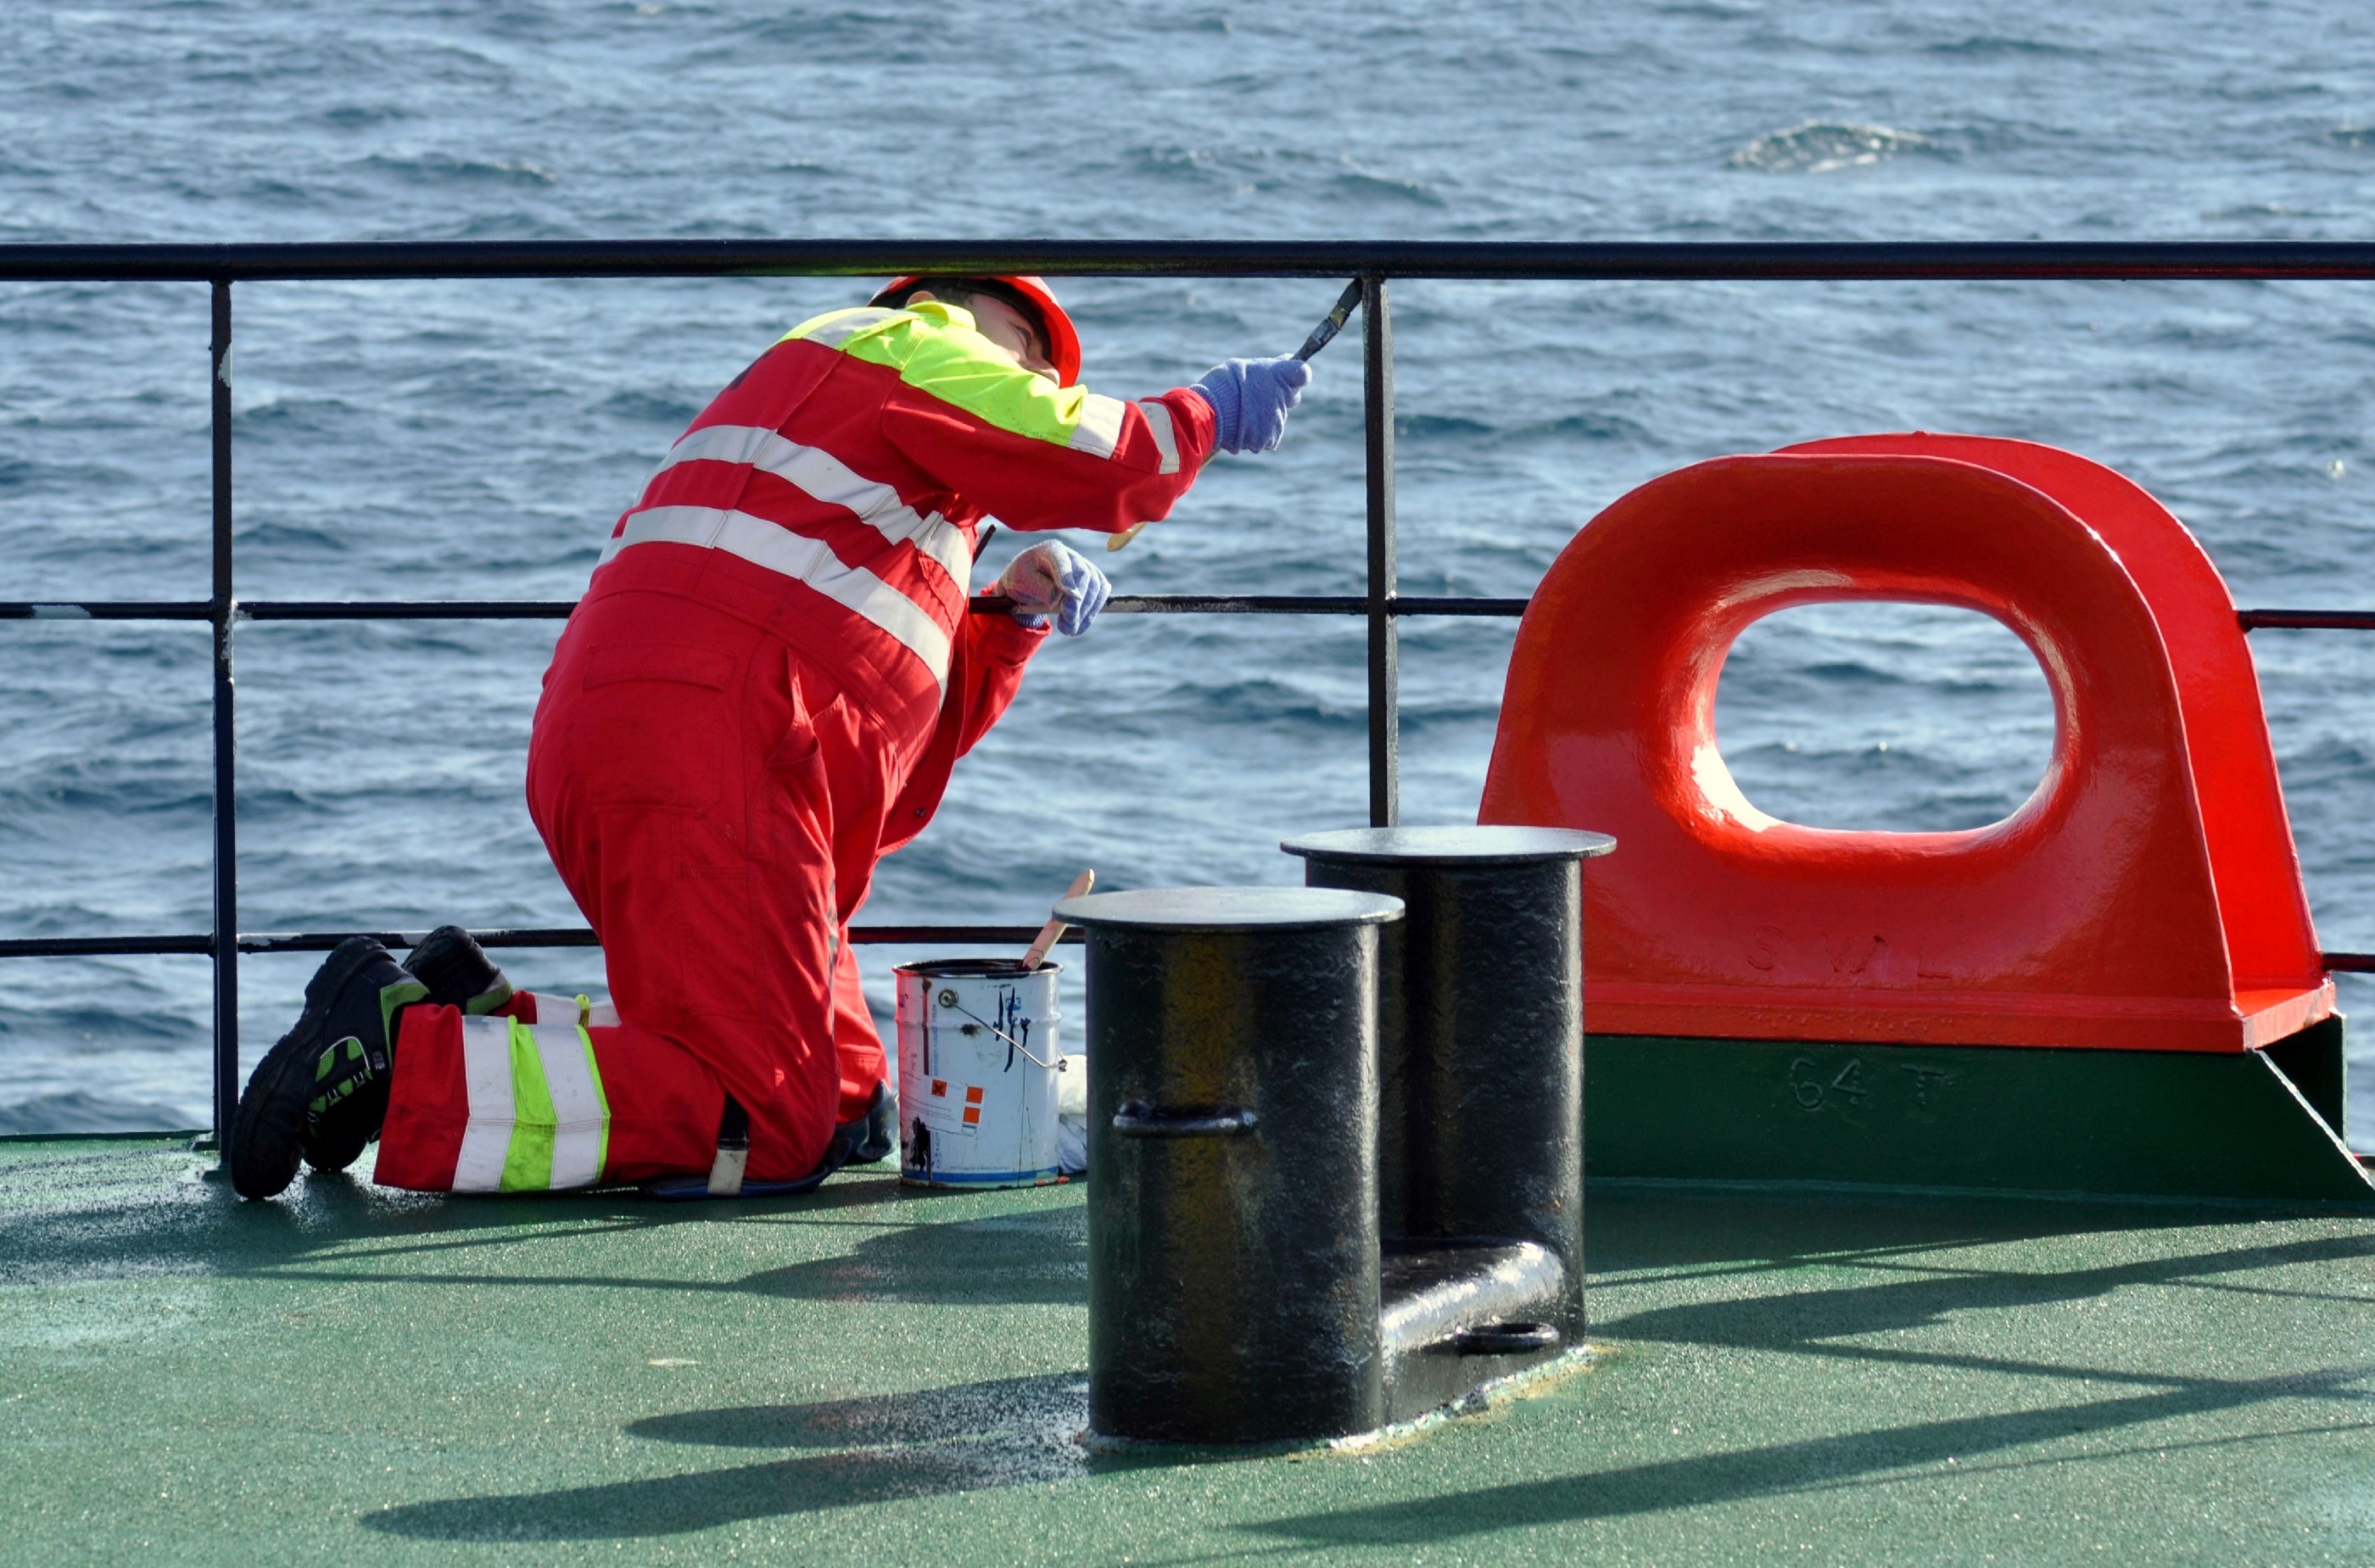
x=2260 y=1124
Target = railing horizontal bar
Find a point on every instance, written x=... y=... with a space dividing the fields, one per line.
x=2307 y=619
x=103 y=946
x=527 y=936
x=579 y=937
x=559 y=609
x=1335 y=259
x=1121 y=603
x=958 y=936
x=323 y=941
x=406 y=610
x=1209 y=604
x=1420 y=604
x=1278 y=604
x=107 y=610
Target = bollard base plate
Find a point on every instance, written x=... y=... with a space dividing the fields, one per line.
x=1458 y=1315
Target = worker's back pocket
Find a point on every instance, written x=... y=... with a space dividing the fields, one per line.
x=671 y=663
x=655 y=724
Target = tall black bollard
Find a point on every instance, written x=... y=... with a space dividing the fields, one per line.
x=1481 y=1039
x=1233 y=1197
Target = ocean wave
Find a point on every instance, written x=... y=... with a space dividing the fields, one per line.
x=1245 y=173
x=649 y=408
x=1358 y=182
x=1193 y=163
x=116 y=1028
x=76 y=1112
x=437 y=168
x=1440 y=427
x=360 y=116
x=853 y=27
x=1818 y=147
x=1987 y=45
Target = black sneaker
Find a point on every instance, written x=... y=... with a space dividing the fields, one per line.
x=457 y=972
x=320 y=1093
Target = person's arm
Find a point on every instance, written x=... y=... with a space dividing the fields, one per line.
x=984 y=672
x=1034 y=455
x=986 y=668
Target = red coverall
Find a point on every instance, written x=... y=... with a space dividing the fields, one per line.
x=761 y=695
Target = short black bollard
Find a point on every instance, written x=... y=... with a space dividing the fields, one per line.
x=1232 y=1197
x=1480 y=1074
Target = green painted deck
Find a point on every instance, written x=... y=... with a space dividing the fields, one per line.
x=872 y=1377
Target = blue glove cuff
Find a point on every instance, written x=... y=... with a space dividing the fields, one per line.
x=1250 y=399
x=1220 y=388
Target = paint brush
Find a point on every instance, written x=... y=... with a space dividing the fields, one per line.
x=1053 y=931
x=1321 y=335
x=1325 y=333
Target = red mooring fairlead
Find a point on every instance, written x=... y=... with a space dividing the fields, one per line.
x=2147 y=896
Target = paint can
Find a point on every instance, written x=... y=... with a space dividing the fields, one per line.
x=978 y=1061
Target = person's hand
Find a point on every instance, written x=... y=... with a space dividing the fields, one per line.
x=1249 y=399
x=1052 y=578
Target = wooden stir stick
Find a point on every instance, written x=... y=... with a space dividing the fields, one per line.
x=1051 y=932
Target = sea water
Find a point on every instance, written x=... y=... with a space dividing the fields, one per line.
x=476 y=440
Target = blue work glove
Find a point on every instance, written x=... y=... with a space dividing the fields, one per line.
x=1249 y=399
x=1054 y=579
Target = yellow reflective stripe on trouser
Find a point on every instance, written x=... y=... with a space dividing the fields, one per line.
x=552 y=1008
x=539 y=1118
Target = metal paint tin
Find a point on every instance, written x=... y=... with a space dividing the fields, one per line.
x=978 y=1073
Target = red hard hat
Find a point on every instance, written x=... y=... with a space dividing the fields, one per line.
x=1030 y=295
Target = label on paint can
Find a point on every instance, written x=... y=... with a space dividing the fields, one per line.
x=978 y=1073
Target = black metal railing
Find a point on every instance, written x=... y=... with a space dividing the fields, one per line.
x=221 y=266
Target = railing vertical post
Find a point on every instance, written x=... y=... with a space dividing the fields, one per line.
x=221 y=609
x=1385 y=659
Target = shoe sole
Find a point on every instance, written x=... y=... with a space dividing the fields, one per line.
x=320 y=992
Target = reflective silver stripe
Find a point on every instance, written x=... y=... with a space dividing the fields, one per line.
x=808 y=561
x=1166 y=437
x=826 y=477
x=545 y=1008
x=839 y=328
x=726 y=1171
x=579 y=1120
x=1099 y=431
x=487 y=1073
x=602 y=1015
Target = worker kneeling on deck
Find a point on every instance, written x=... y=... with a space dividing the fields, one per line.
x=761 y=695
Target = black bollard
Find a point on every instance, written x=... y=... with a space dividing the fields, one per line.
x=1480 y=1073
x=1233 y=1197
